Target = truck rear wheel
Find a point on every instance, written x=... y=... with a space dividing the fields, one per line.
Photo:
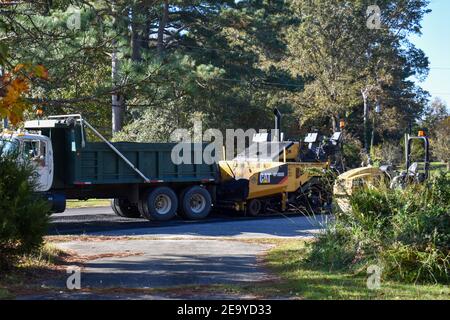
x=254 y=207
x=159 y=204
x=195 y=203
x=123 y=208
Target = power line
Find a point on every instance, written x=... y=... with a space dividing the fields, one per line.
x=263 y=82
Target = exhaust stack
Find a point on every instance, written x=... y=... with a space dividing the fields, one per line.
x=277 y=133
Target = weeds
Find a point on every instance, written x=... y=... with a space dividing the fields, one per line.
x=406 y=232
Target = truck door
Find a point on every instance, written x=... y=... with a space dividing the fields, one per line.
x=39 y=153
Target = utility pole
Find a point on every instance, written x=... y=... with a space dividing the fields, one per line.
x=410 y=121
x=365 y=94
x=375 y=114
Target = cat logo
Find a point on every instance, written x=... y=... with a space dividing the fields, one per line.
x=274 y=176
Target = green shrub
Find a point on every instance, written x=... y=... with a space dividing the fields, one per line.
x=406 y=232
x=352 y=151
x=23 y=214
x=411 y=263
x=332 y=251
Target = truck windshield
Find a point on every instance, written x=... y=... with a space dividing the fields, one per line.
x=8 y=146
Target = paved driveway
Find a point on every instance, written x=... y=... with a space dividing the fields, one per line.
x=173 y=254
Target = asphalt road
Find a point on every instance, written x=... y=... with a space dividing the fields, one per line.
x=167 y=255
x=102 y=221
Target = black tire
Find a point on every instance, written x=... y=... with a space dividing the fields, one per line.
x=254 y=207
x=195 y=203
x=123 y=208
x=159 y=204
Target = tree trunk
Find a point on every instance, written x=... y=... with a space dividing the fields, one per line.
x=335 y=122
x=2 y=94
x=365 y=95
x=161 y=27
x=148 y=25
x=116 y=99
x=48 y=6
x=372 y=134
x=136 y=40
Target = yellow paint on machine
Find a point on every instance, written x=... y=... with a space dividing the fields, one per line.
x=297 y=175
x=353 y=179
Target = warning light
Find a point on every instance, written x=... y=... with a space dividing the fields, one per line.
x=342 y=124
x=422 y=133
x=39 y=112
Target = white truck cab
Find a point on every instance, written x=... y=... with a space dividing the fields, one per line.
x=34 y=148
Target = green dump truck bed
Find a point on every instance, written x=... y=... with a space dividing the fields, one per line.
x=97 y=163
x=79 y=161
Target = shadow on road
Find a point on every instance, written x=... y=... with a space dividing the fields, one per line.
x=175 y=270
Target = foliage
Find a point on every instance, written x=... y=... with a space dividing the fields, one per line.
x=163 y=122
x=436 y=123
x=407 y=232
x=441 y=141
x=230 y=61
x=388 y=153
x=23 y=214
x=289 y=260
x=211 y=57
x=14 y=85
x=352 y=149
x=339 y=57
x=435 y=112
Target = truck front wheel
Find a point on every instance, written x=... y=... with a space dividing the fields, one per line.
x=123 y=208
x=159 y=204
x=195 y=203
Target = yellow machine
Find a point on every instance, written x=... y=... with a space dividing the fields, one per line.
x=273 y=179
x=358 y=178
x=352 y=180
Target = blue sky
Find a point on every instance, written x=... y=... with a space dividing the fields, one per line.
x=435 y=42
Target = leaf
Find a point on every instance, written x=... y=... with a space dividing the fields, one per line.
x=41 y=72
x=20 y=85
x=18 y=67
x=3 y=53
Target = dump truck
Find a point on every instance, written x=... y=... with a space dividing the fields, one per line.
x=142 y=179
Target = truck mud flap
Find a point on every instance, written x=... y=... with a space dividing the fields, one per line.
x=233 y=190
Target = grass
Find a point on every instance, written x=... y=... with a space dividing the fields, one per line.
x=437 y=167
x=299 y=280
x=31 y=267
x=293 y=279
x=74 y=204
x=5 y=294
x=46 y=257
